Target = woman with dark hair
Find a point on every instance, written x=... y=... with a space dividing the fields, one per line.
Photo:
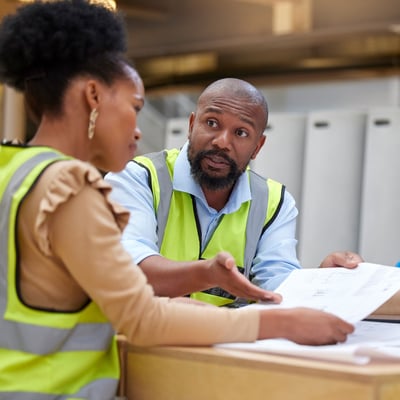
x=66 y=283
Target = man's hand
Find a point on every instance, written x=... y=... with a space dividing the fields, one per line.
x=224 y=273
x=171 y=278
x=303 y=326
x=345 y=259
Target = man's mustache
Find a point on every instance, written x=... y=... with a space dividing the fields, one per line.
x=218 y=153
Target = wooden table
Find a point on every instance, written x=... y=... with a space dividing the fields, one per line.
x=206 y=373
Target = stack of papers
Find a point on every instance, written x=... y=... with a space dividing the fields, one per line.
x=351 y=294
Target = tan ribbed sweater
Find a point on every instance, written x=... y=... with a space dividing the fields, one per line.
x=69 y=241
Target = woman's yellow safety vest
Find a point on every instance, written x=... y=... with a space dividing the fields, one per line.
x=45 y=354
x=179 y=235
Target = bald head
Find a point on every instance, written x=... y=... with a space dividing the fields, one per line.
x=238 y=90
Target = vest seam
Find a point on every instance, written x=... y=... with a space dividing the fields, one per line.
x=278 y=209
x=198 y=226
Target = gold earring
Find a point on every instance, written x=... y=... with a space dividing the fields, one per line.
x=92 y=123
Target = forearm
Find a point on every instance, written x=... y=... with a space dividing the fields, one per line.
x=174 y=278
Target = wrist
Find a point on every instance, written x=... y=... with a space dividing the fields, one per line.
x=274 y=324
x=207 y=273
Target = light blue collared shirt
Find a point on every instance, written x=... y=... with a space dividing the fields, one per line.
x=276 y=251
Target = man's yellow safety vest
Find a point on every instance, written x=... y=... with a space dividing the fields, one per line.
x=179 y=236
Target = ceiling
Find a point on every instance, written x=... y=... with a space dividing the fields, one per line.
x=186 y=42
x=175 y=42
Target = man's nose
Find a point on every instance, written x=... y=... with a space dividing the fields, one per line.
x=221 y=139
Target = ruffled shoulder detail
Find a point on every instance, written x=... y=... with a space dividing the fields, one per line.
x=64 y=179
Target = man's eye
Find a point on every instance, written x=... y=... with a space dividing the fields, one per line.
x=211 y=123
x=242 y=133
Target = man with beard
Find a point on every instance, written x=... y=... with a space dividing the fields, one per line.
x=202 y=223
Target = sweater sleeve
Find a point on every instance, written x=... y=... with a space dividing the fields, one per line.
x=80 y=227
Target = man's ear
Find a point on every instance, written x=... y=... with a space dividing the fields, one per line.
x=92 y=93
x=260 y=144
x=191 y=121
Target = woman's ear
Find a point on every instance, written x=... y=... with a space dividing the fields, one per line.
x=92 y=93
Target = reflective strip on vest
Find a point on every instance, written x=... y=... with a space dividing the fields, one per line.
x=100 y=390
x=165 y=184
x=79 y=345
x=38 y=339
x=256 y=219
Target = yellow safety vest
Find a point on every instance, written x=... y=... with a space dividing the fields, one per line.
x=44 y=354
x=179 y=236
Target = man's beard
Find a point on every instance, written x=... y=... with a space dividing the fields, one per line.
x=205 y=179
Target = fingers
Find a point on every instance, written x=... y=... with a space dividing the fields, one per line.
x=345 y=327
x=314 y=327
x=231 y=280
x=252 y=292
x=337 y=330
x=226 y=259
x=332 y=329
x=340 y=329
x=240 y=286
x=269 y=297
x=273 y=297
x=345 y=259
x=351 y=259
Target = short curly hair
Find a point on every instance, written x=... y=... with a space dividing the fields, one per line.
x=46 y=44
